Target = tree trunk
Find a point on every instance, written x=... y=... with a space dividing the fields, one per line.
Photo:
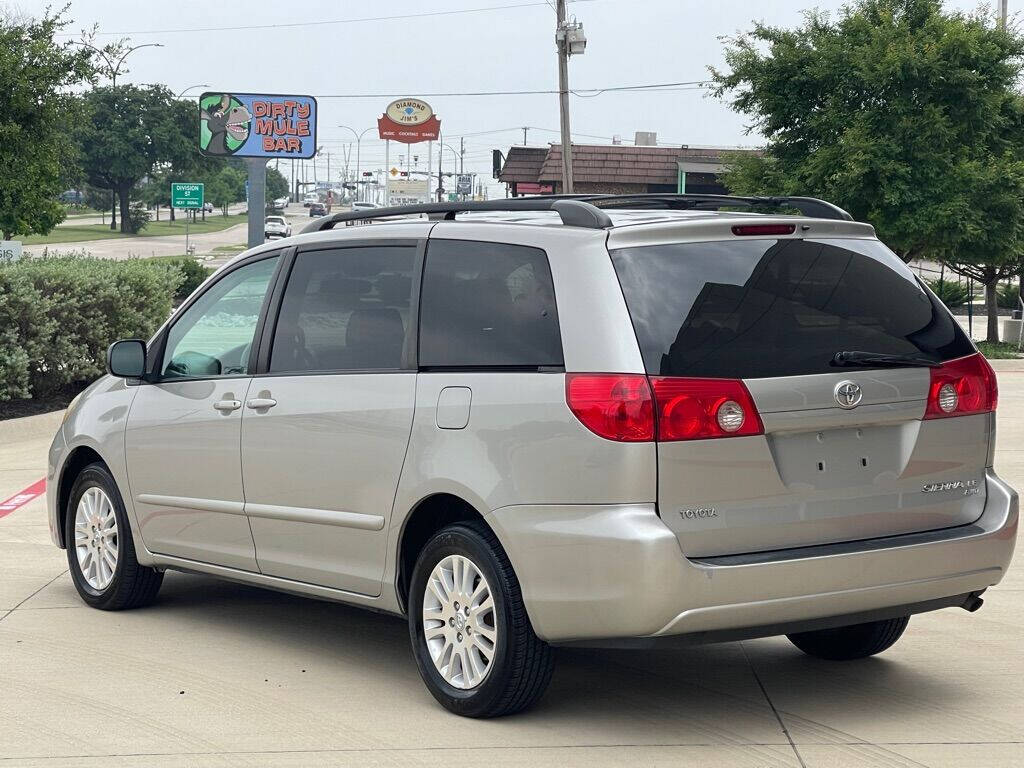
x=113 y=211
x=992 y=310
x=157 y=207
x=123 y=194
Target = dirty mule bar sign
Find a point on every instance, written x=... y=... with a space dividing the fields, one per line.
x=256 y=125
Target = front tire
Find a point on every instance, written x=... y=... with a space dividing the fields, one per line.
x=471 y=637
x=853 y=642
x=101 y=551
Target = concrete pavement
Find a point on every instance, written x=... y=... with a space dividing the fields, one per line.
x=220 y=674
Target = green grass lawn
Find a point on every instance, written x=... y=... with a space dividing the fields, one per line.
x=73 y=233
x=1001 y=351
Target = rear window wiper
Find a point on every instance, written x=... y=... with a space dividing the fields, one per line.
x=880 y=358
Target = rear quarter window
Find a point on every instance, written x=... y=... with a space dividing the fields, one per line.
x=487 y=305
x=756 y=308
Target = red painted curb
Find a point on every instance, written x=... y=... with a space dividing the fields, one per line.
x=38 y=488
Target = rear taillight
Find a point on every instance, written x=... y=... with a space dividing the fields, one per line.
x=697 y=409
x=962 y=387
x=614 y=406
x=628 y=408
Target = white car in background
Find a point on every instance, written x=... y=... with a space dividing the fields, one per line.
x=363 y=205
x=277 y=226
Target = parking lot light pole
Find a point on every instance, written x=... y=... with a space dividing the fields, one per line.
x=359 y=138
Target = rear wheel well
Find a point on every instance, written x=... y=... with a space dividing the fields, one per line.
x=79 y=459
x=429 y=516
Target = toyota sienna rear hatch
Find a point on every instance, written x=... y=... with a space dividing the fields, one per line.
x=805 y=392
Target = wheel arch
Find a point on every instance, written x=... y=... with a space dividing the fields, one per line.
x=79 y=458
x=427 y=517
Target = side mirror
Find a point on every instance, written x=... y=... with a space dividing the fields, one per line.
x=127 y=358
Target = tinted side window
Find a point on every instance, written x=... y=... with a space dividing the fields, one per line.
x=213 y=336
x=344 y=309
x=487 y=304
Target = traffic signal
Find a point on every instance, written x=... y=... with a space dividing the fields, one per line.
x=403 y=173
x=367 y=173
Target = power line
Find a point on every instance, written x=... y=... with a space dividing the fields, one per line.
x=685 y=85
x=324 y=22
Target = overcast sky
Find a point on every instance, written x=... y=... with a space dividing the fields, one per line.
x=630 y=42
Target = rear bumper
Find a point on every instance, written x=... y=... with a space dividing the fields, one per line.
x=593 y=572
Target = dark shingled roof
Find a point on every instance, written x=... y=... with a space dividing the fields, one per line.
x=523 y=164
x=614 y=164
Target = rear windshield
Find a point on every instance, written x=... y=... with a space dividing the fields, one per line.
x=765 y=308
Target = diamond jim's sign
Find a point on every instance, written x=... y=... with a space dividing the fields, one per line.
x=409 y=121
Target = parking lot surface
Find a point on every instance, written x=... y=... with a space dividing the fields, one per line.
x=219 y=674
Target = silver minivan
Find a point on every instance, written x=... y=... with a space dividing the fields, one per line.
x=609 y=421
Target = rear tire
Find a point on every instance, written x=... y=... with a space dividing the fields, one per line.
x=489 y=635
x=857 y=641
x=95 y=503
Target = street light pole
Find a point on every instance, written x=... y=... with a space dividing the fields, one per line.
x=1002 y=12
x=113 y=70
x=359 y=138
x=198 y=85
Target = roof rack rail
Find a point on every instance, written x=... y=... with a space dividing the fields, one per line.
x=811 y=207
x=585 y=210
x=574 y=212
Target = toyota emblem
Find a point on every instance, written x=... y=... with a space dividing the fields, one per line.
x=848 y=394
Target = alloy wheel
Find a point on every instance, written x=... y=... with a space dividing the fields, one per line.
x=96 y=538
x=459 y=623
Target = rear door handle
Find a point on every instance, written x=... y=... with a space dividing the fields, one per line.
x=260 y=402
x=227 y=405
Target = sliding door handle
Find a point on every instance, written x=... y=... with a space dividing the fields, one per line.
x=226 y=406
x=257 y=403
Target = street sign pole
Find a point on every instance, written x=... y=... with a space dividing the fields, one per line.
x=190 y=197
x=257 y=198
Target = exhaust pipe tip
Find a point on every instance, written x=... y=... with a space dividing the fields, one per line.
x=972 y=603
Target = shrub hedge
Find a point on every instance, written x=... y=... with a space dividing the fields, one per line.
x=59 y=315
x=194 y=274
x=1008 y=296
x=950 y=292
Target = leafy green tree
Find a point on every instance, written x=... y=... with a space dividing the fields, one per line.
x=129 y=131
x=277 y=185
x=903 y=114
x=36 y=108
x=225 y=187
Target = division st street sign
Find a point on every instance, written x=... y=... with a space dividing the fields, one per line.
x=186 y=195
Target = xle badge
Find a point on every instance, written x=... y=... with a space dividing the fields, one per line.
x=693 y=514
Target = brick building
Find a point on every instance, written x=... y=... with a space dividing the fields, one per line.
x=615 y=168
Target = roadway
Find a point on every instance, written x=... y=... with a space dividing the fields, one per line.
x=168 y=245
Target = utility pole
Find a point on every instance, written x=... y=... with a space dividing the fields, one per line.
x=440 y=175
x=1002 y=13
x=462 y=155
x=525 y=129
x=569 y=39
